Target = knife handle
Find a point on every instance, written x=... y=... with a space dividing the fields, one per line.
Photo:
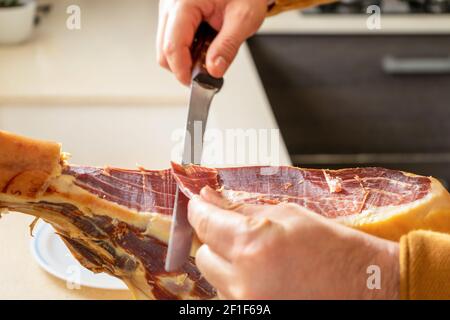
x=204 y=36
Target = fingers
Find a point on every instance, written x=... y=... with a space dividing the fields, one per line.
x=161 y=58
x=212 y=196
x=179 y=20
x=182 y=22
x=241 y=20
x=215 y=269
x=284 y=213
x=216 y=227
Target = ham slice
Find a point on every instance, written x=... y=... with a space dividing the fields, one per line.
x=361 y=189
x=117 y=221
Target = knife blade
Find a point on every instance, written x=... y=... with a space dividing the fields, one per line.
x=203 y=89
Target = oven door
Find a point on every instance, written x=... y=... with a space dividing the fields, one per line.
x=360 y=100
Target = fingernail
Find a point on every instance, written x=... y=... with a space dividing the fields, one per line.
x=220 y=64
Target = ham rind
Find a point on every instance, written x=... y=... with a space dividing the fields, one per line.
x=118 y=220
x=359 y=188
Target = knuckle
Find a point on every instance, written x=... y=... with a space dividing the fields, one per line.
x=245 y=13
x=250 y=253
x=180 y=5
x=248 y=242
x=199 y=257
x=289 y=206
x=229 y=47
x=182 y=78
x=242 y=243
x=204 y=226
x=243 y=292
x=239 y=294
x=161 y=61
x=245 y=232
x=260 y=240
x=169 y=48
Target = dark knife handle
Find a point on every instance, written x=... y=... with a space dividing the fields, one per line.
x=203 y=38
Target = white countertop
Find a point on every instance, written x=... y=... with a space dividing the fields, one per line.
x=110 y=60
x=100 y=92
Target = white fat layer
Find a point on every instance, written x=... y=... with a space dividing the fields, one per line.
x=334 y=183
x=436 y=199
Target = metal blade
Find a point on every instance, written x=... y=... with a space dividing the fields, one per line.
x=180 y=241
x=200 y=101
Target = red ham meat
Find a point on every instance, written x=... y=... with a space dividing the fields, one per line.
x=118 y=221
x=360 y=188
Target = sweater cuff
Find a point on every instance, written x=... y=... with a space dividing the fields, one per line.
x=425 y=265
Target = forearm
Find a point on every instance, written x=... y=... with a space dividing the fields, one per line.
x=284 y=5
x=425 y=265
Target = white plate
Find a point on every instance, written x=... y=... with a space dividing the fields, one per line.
x=53 y=256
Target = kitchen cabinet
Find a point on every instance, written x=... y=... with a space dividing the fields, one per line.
x=339 y=103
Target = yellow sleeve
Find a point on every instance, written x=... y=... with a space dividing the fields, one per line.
x=425 y=265
x=284 y=5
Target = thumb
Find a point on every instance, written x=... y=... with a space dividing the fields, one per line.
x=240 y=21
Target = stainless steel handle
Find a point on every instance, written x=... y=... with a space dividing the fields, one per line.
x=396 y=65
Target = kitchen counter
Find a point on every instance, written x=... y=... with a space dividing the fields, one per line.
x=99 y=91
x=110 y=60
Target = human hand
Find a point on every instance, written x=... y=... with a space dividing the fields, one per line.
x=236 y=20
x=287 y=252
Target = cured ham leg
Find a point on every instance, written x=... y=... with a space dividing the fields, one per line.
x=118 y=221
x=112 y=220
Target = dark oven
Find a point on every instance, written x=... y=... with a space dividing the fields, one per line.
x=360 y=100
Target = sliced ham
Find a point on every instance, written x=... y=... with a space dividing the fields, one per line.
x=117 y=221
x=352 y=192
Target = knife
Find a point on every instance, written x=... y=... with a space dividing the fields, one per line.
x=203 y=89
